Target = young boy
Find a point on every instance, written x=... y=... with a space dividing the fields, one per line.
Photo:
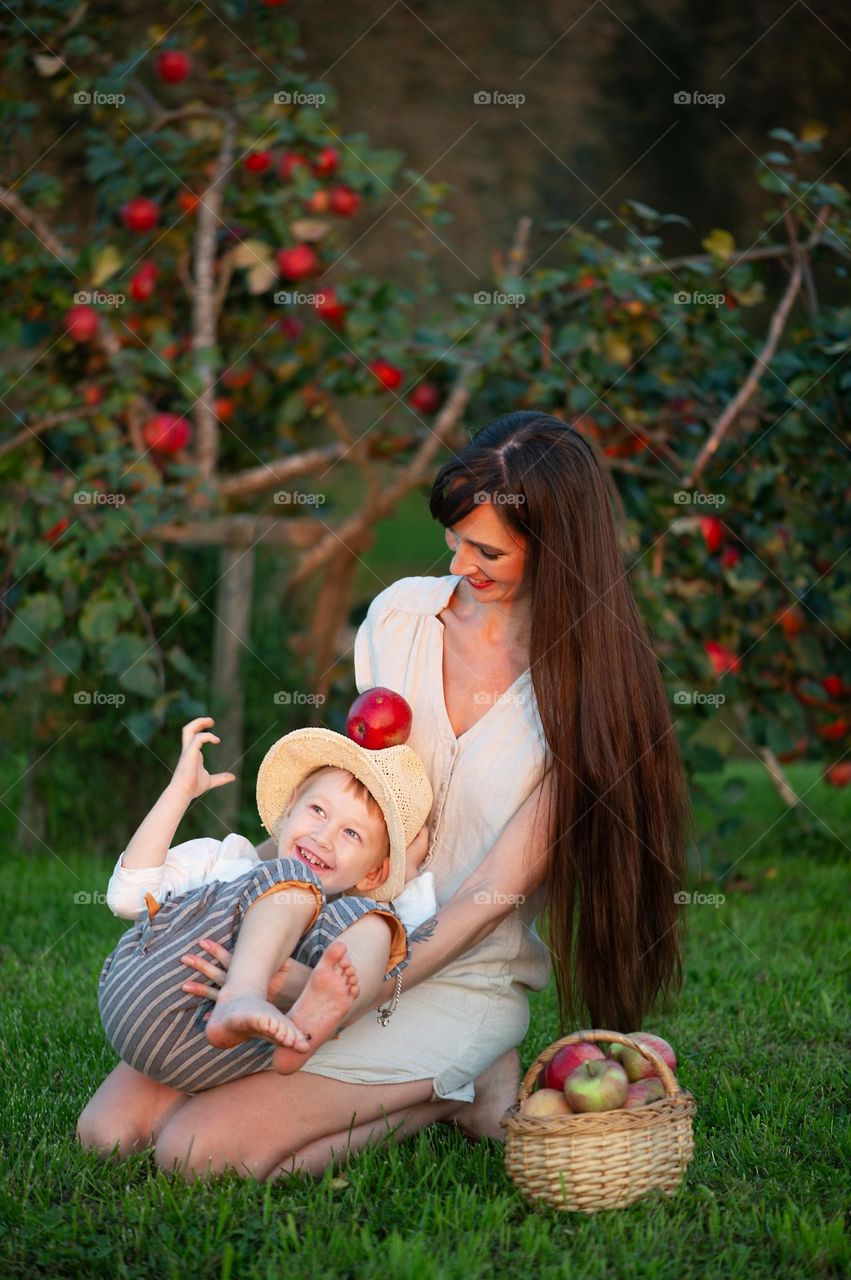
x=344 y=819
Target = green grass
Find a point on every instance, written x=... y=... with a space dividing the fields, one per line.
x=762 y=1033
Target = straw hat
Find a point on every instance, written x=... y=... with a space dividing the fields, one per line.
x=395 y=776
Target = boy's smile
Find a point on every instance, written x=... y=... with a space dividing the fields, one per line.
x=332 y=831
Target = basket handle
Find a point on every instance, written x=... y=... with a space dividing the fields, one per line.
x=666 y=1075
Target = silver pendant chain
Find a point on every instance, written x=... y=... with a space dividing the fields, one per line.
x=386 y=1012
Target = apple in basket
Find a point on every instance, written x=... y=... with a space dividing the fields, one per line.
x=379 y=718
x=636 y=1066
x=565 y=1062
x=597 y=1085
x=643 y=1092
x=544 y=1103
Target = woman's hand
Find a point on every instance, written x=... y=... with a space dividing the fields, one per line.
x=285 y=985
x=190 y=777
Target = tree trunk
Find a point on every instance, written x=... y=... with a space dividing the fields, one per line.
x=331 y=609
x=232 y=637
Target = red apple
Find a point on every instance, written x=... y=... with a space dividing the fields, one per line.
x=834 y=686
x=142 y=284
x=731 y=557
x=839 y=775
x=425 y=397
x=598 y=1085
x=379 y=718
x=329 y=307
x=635 y=1064
x=835 y=730
x=140 y=214
x=92 y=394
x=188 y=201
x=791 y=622
x=387 y=374
x=644 y=1092
x=345 y=201
x=290 y=161
x=544 y=1103
x=56 y=531
x=81 y=323
x=326 y=162
x=722 y=659
x=713 y=533
x=166 y=433
x=224 y=408
x=291 y=327
x=319 y=202
x=237 y=377
x=565 y=1062
x=299 y=262
x=173 y=65
x=257 y=161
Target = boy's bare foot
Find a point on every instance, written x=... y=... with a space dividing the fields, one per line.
x=331 y=991
x=248 y=1017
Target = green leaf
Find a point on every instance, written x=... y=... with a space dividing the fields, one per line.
x=40 y=616
x=141 y=678
x=783 y=135
x=100 y=620
x=142 y=725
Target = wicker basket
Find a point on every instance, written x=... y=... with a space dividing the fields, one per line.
x=605 y=1159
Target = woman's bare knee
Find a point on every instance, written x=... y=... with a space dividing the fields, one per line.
x=126 y=1112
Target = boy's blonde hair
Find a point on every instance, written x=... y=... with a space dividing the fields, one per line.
x=359 y=790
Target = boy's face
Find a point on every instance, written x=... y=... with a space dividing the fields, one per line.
x=333 y=832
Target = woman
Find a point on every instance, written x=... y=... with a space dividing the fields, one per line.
x=544 y=724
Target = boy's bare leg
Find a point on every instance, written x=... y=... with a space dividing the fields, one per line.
x=327 y=1003
x=270 y=930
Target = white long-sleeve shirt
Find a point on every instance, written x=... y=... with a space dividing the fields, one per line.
x=196 y=862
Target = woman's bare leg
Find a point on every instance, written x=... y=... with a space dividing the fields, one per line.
x=128 y=1109
x=338 y=1147
x=256 y=1125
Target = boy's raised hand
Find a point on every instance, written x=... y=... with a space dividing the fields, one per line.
x=190 y=776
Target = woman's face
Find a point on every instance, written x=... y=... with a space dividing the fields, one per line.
x=488 y=554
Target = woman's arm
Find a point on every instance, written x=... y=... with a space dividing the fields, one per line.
x=513 y=870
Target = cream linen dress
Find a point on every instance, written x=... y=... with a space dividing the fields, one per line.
x=456 y=1023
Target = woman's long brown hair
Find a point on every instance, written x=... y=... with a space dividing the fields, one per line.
x=620 y=816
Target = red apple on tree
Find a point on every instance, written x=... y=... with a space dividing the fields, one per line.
x=379 y=718
x=326 y=162
x=257 y=161
x=173 y=65
x=387 y=374
x=291 y=327
x=565 y=1062
x=722 y=659
x=329 y=307
x=345 y=201
x=81 y=323
x=299 y=262
x=731 y=557
x=142 y=284
x=425 y=397
x=598 y=1085
x=319 y=202
x=290 y=161
x=166 y=433
x=713 y=533
x=834 y=686
x=635 y=1064
x=140 y=214
x=839 y=774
